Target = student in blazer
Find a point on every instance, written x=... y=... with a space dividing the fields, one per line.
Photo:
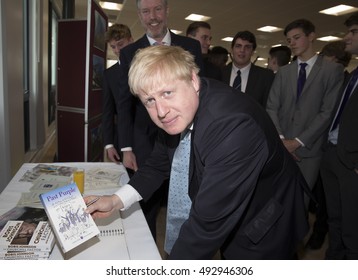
x=258 y=80
x=117 y=37
x=302 y=121
x=246 y=190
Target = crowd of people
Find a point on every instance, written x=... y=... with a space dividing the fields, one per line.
x=264 y=143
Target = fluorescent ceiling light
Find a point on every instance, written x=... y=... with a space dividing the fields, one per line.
x=261 y=58
x=227 y=39
x=339 y=10
x=278 y=45
x=329 y=38
x=176 y=31
x=269 y=28
x=195 y=17
x=111 y=6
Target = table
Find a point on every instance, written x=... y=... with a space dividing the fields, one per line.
x=140 y=243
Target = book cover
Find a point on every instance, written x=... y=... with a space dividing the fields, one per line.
x=25 y=236
x=65 y=209
x=110 y=244
x=18 y=255
x=25 y=229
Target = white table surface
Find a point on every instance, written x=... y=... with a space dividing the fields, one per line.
x=140 y=243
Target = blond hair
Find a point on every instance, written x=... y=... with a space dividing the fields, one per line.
x=155 y=65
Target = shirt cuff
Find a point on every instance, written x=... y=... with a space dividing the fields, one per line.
x=282 y=137
x=128 y=195
x=109 y=146
x=299 y=141
x=126 y=149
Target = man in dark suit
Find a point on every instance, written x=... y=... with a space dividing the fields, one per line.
x=137 y=132
x=245 y=188
x=201 y=31
x=339 y=168
x=255 y=80
x=118 y=36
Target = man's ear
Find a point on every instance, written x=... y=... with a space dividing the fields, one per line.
x=196 y=81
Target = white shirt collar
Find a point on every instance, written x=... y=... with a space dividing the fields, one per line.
x=166 y=40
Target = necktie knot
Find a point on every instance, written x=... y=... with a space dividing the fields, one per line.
x=303 y=65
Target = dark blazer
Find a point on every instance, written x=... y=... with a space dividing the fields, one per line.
x=110 y=93
x=347 y=145
x=136 y=129
x=258 y=84
x=246 y=190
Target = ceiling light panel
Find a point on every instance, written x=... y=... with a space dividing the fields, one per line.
x=339 y=10
x=196 y=17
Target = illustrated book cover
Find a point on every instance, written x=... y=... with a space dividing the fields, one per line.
x=65 y=209
x=110 y=244
x=25 y=229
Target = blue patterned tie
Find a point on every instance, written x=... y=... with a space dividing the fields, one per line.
x=237 y=81
x=346 y=95
x=179 y=202
x=301 y=79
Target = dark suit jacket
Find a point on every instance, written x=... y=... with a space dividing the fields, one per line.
x=110 y=93
x=136 y=129
x=347 y=145
x=246 y=190
x=258 y=84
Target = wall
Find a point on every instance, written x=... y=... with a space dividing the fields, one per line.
x=12 y=152
x=11 y=90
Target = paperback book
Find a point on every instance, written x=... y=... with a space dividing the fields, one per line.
x=25 y=229
x=65 y=209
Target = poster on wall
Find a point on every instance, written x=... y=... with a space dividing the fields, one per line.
x=100 y=27
x=97 y=72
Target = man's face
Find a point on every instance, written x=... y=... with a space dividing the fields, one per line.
x=351 y=39
x=203 y=35
x=272 y=64
x=172 y=107
x=116 y=46
x=242 y=52
x=153 y=16
x=299 y=42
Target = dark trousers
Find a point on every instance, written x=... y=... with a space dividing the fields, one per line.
x=341 y=189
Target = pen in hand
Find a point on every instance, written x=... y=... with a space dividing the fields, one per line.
x=93 y=201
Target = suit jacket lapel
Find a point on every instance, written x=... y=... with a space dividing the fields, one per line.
x=293 y=76
x=313 y=73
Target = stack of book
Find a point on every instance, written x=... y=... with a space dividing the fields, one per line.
x=25 y=233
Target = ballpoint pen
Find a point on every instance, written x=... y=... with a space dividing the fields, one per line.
x=93 y=201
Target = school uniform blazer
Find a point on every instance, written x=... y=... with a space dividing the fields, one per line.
x=309 y=118
x=136 y=129
x=110 y=92
x=258 y=84
x=246 y=190
x=347 y=145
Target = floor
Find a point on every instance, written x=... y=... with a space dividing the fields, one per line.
x=48 y=154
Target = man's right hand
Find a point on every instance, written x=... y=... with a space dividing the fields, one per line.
x=129 y=160
x=104 y=207
x=113 y=155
